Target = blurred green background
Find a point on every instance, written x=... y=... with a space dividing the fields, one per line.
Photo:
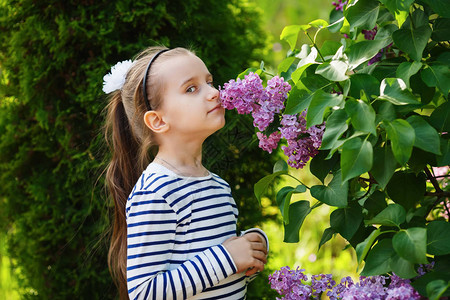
x=274 y=15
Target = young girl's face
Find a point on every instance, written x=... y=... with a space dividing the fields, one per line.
x=190 y=104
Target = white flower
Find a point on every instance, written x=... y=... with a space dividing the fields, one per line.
x=116 y=78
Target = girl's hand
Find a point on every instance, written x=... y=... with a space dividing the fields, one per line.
x=249 y=252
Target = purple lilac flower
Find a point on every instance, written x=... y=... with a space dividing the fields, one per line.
x=321 y=283
x=249 y=96
x=339 y=289
x=302 y=143
x=403 y=292
x=242 y=94
x=288 y=283
x=370 y=34
x=339 y=4
x=424 y=269
x=268 y=143
x=277 y=90
x=397 y=281
x=368 y=288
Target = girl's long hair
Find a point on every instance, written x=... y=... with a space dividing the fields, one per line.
x=130 y=143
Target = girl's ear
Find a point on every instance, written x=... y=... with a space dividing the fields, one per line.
x=155 y=122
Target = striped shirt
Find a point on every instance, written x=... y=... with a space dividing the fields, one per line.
x=175 y=227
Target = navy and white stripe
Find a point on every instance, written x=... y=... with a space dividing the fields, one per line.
x=175 y=227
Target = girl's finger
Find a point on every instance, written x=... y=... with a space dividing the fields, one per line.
x=261 y=256
x=259 y=247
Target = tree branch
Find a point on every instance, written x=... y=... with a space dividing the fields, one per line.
x=440 y=194
x=432 y=180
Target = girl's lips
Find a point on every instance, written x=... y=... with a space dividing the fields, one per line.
x=218 y=106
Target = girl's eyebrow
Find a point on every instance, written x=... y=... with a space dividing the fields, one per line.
x=208 y=76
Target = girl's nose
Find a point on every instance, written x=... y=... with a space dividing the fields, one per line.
x=213 y=93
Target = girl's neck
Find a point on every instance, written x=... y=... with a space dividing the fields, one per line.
x=184 y=161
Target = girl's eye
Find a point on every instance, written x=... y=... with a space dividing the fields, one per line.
x=191 y=89
x=211 y=84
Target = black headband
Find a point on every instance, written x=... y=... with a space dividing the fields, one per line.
x=144 y=82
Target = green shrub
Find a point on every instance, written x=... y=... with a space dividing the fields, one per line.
x=53 y=55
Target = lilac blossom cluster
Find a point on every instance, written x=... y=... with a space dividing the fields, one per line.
x=249 y=96
x=339 y=4
x=292 y=284
x=300 y=150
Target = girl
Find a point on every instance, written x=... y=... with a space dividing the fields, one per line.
x=174 y=233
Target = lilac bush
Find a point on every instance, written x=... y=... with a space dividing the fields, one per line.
x=293 y=284
x=266 y=104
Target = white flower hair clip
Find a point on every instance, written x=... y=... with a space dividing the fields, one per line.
x=116 y=78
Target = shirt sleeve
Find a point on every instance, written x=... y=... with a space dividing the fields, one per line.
x=261 y=232
x=151 y=236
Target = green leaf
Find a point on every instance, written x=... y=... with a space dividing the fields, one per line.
x=285 y=64
x=298 y=73
x=384 y=165
x=402 y=138
x=319 y=102
x=437 y=75
x=362 y=115
x=260 y=188
x=444 y=159
x=319 y=23
x=418 y=18
x=440 y=117
x=363 y=14
x=427 y=137
x=336 y=125
x=346 y=221
x=334 y=70
x=356 y=158
x=326 y=236
x=440 y=271
x=440 y=7
x=436 y=288
x=385 y=111
x=385 y=32
x=336 y=20
x=284 y=199
x=402 y=267
x=375 y=203
x=280 y=166
x=441 y=30
x=438 y=237
x=364 y=82
x=290 y=34
x=329 y=48
x=379 y=259
x=407 y=69
x=411 y=244
x=399 y=8
x=297 y=214
x=418 y=86
x=335 y=194
x=363 y=248
x=412 y=40
x=298 y=100
x=393 y=215
x=315 y=82
x=363 y=51
x=407 y=189
x=320 y=166
x=395 y=91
